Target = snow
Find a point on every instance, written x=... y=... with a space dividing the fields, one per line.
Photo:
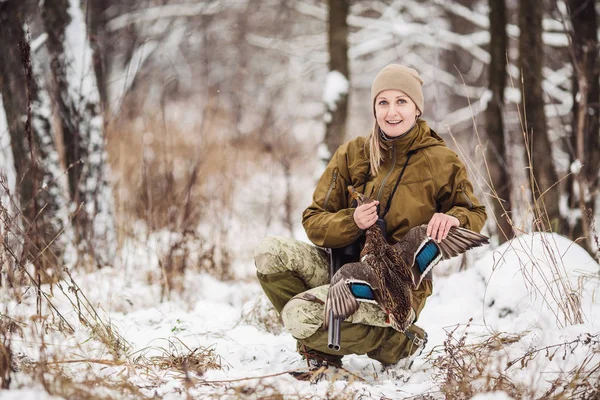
x=27 y=394
x=575 y=167
x=508 y=290
x=492 y=396
x=336 y=86
x=38 y=42
x=162 y=12
x=541 y=289
x=79 y=52
x=7 y=165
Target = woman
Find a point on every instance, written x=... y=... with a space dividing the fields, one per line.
x=433 y=190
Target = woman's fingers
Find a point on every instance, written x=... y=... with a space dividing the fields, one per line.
x=433 y=227
x=366 y=215
x=447 y=227
x=440 y=225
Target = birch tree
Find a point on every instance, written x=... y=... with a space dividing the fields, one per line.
x=78 y=102
x=44 y=225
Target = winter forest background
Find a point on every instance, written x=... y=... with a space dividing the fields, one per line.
x=147 y=146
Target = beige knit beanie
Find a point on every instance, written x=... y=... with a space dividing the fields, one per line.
x=399 y=77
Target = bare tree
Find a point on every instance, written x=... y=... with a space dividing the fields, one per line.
x=543 y=176
x=338 y=79
x=585 y=139
x=42 y=198
x=459 y=61
x=78 y=103
x=494 y=120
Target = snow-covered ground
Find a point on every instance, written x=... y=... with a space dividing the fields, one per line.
x=515 y=291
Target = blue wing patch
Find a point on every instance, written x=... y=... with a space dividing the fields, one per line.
x=362 y=291
x=427 y=255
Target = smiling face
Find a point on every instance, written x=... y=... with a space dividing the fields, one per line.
x=395 y=112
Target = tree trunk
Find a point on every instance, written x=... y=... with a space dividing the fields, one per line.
x=538 y=147
x=337 y=85
x=37 y=166
x=13 y=86
x=95 y=12
x=586 y=118
x=458 y=61
x=496 y=151
x=78 y=104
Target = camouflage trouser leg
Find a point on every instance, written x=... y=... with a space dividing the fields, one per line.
x=295 y=277
x=286 y=267
x=364 y=332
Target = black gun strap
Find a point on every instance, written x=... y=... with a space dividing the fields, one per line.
x=389 y=203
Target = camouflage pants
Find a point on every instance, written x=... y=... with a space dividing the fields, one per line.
x=295 y=276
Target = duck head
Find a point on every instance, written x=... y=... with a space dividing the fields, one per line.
x=359 y=197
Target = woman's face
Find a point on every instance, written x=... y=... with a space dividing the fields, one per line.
x=395 y=112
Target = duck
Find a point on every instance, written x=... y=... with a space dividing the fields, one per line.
x=387 y=274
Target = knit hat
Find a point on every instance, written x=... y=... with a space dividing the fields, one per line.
x=399 y=77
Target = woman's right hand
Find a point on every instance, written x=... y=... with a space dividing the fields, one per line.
x=366 y=215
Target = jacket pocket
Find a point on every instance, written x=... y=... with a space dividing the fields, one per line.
x=461 y=195
x=331 y=187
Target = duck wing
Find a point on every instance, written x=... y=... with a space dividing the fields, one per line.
x=422 y=253
x=352 y=282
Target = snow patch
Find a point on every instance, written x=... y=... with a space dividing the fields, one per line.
x=575 y=167
x=336 y=86
x=7 y=165
x=492 y=396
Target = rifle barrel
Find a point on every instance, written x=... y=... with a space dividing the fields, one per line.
x=334 y=333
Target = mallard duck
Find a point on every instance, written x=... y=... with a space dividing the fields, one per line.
x=387 y=274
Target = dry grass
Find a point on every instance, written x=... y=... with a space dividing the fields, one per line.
x=173 y=182
x=177 y=181
x=183 y=182
x=263 y=315
x=465 y=369
x=545 y=276
x=180 y=359
x=93 y=385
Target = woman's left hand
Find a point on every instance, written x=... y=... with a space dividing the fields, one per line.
x=440 y=225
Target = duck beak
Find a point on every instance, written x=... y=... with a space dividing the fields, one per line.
x=355 y=195
x=359 y=197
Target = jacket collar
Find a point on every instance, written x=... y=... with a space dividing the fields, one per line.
x=419 y=136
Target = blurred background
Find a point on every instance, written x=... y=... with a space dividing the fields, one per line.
x=210 y=121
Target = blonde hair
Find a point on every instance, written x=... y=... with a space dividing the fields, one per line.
x=375 y=149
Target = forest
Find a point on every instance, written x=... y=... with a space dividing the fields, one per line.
x=148 y=146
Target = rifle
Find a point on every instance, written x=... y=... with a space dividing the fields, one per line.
x=338 y=258
x=335 y=263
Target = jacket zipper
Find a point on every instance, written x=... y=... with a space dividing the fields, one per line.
x=387 y=176
x=464 y=196
x=331 y=186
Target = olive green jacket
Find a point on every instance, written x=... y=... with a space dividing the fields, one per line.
x=435 y=180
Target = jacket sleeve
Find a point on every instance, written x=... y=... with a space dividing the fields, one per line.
x=455 y=196
x=329 y=221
